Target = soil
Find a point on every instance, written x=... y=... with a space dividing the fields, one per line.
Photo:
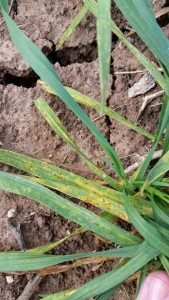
x=23 y=129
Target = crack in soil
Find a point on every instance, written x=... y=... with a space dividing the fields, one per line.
x=64 y=57
x=164 y=20
x=28 y=81
x=14 y=9
x=107 y=118
x=70 y=55
x=166 y=3
x=108 y=122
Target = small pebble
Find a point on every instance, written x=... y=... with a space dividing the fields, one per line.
x=11 y=213
x=9 y=279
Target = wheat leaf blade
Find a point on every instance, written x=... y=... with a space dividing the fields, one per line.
x=109 y=280
x=24 y=261
x=79 y=17
x=104 y=45
x=147 y=230
x=21 y=186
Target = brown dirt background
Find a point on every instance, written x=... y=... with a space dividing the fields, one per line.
x=22 y=128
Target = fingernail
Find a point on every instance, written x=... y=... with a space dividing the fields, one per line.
x=154 y=288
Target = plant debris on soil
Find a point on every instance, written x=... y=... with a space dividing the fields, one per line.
x=23 y=129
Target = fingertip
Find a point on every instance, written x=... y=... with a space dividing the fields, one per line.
x=155 y=287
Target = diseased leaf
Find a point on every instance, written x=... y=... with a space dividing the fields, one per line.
x=104 y=204
x=90 y=221
x=72 y=184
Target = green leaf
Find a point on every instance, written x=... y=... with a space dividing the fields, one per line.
x=16 y=261
x=159 y=228
x=157 y=192
x=148 y=65
x=45 y=70
x=164 y=117
x=72 y=26
x=58 y=127
x=104 y=45
x=165 y=263
x=160 y=183
x=166 y=140
x=150 y=233
x=160 y=168
x=141 y=17
x=143 y=274
x=160 y=214
x=21 y=186
x=111 y=166
x=5 y=4
x=106 y=295
x=111 y=279
x=92 y=6
x=157 y=266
